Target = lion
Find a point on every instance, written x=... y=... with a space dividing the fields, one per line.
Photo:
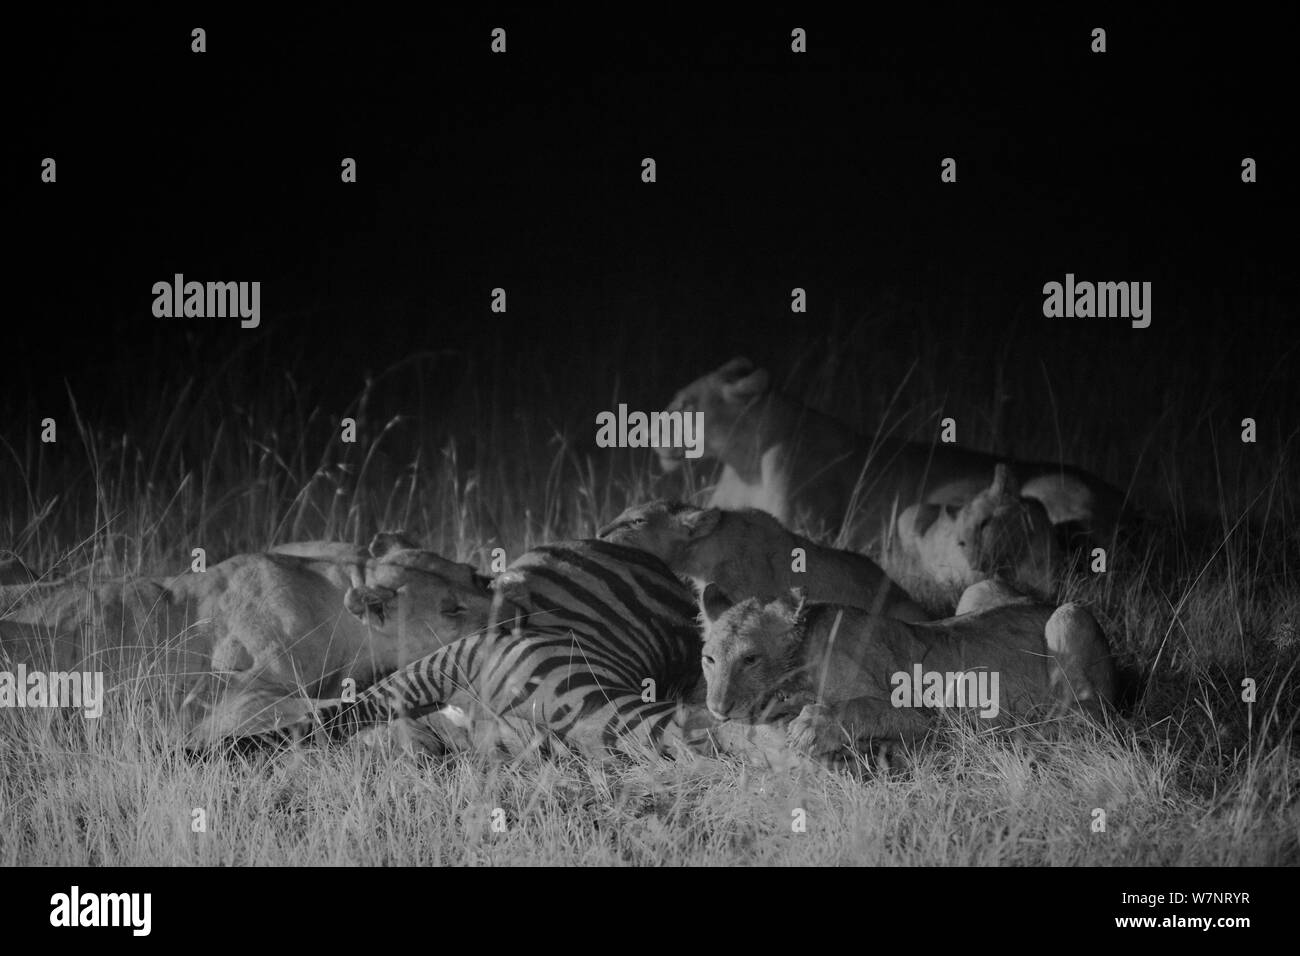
x=813 y=472
x=842 y=675
x=749 y=554
x=232 y=641
x=940 y=551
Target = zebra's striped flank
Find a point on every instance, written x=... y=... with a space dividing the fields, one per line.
x=577 y=627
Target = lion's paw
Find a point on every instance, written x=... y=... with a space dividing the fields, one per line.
x=814 y=731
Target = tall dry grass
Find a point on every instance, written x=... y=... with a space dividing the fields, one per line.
x=1204 y=595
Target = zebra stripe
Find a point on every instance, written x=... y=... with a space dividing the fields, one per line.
x=576 y=629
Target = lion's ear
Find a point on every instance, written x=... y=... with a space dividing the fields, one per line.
x=795 y=604
x=701 y=521
x=1004 y=484
x=751 y=386
x=714 y=603
x=734 y=368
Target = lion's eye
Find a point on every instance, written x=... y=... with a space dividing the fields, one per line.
x=707 y=660
x=453 y=609
x=749 y=660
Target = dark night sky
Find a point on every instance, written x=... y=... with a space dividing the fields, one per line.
x=523 y=171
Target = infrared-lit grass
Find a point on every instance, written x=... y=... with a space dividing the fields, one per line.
x=1203 y=597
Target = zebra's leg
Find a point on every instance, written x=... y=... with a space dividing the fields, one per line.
x=607 y=722
x=419 y=688
x=431 y=736
x=459 y=729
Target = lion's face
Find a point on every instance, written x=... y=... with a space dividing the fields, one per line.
x=997 y=532
x=929 y=533
x=662 y=528
x=417 y=598
x=722 y=395
x=651 y=527
x=750 y=656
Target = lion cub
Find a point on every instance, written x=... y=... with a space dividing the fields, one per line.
x=748 y=553
x=939 y=552
x=846 y=675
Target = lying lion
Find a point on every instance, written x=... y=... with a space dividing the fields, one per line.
x=227 y=644
x=940 y=551
x=812 y=471
x=845 y=675
x=748 y=554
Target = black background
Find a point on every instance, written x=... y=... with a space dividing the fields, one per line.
x=523 y=171
x=898 y=909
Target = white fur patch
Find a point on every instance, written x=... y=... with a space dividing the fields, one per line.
x=1065 y=497
x=457 y=716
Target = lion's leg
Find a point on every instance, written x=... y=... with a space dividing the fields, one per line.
x=221 y=711
x=761 y=745
x=825 y=727
x=1082 y=672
